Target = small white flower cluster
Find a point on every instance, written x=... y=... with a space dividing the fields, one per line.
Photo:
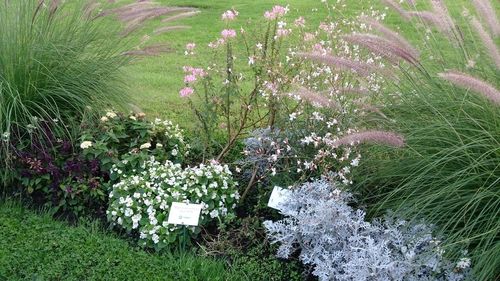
x=85 y=144
x=172 y=132
x=304 y=150
x=109 y=115
x=6 y=137
x=142 y=201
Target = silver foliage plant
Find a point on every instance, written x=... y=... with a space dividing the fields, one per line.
x=340 y=244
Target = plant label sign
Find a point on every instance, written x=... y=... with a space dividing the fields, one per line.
x=278 y=196
x=184 y=213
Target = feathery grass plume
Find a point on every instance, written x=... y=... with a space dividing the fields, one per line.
x=487 y=12
x=164 y=29
x=442 y=12
x=433 y=19
x=360 y=68
x=137 y=19
x=146 y=12
x=488 y=42
x=411 y=2
x=397 y=8
x=314 y=98
x=152 y=50
x=374 y=109
x=383 y=47
x=367 y=107
x=345 y=91
x=54 y=4
x=181 y=16
x=90 y=7
x=390 y=34
x=127 y=8
x=468 y=82
x=445 y=21
x=377 y=137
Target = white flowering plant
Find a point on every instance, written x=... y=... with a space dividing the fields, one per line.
x=141 y=201
x=128 y=140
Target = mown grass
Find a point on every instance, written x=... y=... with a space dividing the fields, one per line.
x=35 y=247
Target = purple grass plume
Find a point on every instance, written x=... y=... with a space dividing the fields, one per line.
x=169 y=28
x=360 y=68
x=394 y=5
x=487 y=12
x=152 y=50
x=376 y=137
x=390 y=34
x=392 y=51
x=181 y=16
x=466 y=81
x=488 y=42
x=314 y=98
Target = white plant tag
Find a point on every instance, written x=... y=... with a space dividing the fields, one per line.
x=185 y=214
x=278 y=196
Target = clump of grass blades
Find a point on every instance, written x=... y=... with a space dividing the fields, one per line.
x=56 y=61
x=449 y=172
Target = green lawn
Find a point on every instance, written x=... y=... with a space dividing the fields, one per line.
x=35 y=247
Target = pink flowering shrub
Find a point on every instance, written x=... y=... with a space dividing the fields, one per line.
x=267 y=78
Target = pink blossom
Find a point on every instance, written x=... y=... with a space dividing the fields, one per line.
x=280 y=10
x=189 y=78
x=281 y=32
x=276 y=12
x=189 y=49
x=271 y=87
x=186 y=92
x=269 y=15
x=228 y=33
x=190 y=46
x=198 y=72
x=300 y=22
x=325 y=27
x=308 y=36
x=216 y=43
x=230 y=15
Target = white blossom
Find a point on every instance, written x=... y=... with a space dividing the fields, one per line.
x=85 y=144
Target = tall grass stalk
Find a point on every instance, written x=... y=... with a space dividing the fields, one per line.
x=55 y=63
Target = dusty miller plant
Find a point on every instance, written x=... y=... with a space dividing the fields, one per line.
x=340 y=244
